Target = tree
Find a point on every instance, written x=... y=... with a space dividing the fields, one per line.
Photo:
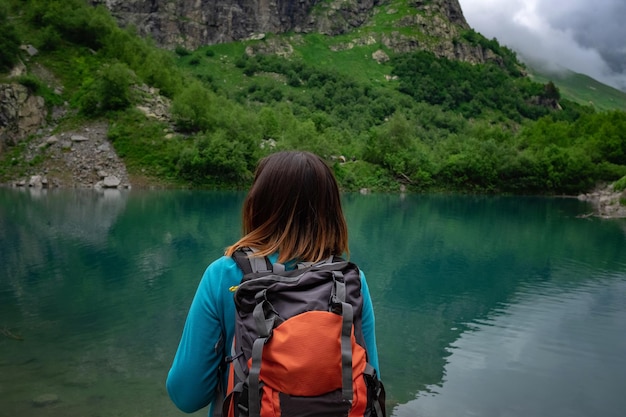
x=193 y=108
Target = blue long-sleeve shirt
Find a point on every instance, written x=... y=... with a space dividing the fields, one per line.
x=193 y=378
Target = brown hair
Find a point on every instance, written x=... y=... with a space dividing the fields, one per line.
x=294 y=208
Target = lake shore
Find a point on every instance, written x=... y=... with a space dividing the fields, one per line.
x=85 y=158
x=606 y=202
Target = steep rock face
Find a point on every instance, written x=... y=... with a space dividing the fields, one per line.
x=193 y=23
x=21 y=113
x=440 y=24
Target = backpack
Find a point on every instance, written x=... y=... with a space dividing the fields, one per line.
x=298 y=348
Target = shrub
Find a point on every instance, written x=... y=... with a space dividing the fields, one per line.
x=31 y=82
x=9 y=43
x=192 y=108
x=109 y=92
x=620 y=184
x=74 y=20
x=182 y=51
x=214 y=158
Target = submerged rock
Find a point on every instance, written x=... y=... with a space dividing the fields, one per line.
x=45 y=399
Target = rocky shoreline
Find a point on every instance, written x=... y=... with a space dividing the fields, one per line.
x=606 y=202
x=82 y=158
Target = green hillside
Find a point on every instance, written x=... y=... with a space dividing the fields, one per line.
x=583 y=89
x=412 y=120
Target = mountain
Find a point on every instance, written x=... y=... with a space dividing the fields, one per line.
x=395 y=95
x=192 y=24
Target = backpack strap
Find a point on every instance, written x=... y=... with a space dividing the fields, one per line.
x=248 y=263
x=376 y=390
x=331 y=259
x=338 y=299
x=220 y=392
x=264 y=319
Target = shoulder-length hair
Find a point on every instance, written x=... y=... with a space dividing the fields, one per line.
x=294 y=208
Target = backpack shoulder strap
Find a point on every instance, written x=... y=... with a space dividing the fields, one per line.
x=248 y=263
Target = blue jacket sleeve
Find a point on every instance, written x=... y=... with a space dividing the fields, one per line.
x=193 y=377
x=369 y=325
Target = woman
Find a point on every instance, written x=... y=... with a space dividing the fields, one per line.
x=291 y=214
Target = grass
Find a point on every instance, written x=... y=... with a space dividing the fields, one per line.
x=349 y=54
x=583 y=89
x=355 y=61
x=143 y=145
x=217 y=64
x=387 y=15
x=13 y=163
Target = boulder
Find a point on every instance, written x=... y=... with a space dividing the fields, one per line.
x=111 y=181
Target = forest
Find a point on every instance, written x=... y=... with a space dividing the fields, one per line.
x=435 y=125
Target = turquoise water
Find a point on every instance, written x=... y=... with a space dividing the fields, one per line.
x=486 y=306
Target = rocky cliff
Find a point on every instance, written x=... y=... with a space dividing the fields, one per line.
x=194 y=23
x=21 y=113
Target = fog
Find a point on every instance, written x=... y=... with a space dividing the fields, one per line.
x=580 y=35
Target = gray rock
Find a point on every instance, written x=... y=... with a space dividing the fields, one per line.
x=111 y=182
x=30 y=49
x=21 y=113
x=380 y=56
x=35 y=181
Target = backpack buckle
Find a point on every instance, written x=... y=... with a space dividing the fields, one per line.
x=242 y=409
x=242 y=403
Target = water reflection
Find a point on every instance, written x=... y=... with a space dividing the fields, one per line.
x=97 y=285
x=484 y=304
x=444 y=263
x=550 y=353
x=86 y=214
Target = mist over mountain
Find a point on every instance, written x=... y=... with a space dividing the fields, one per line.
x=583 y=36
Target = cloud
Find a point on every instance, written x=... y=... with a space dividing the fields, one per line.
x=581 y=35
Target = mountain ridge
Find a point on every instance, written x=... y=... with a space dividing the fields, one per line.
x=434 y=25
x=195 y=23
